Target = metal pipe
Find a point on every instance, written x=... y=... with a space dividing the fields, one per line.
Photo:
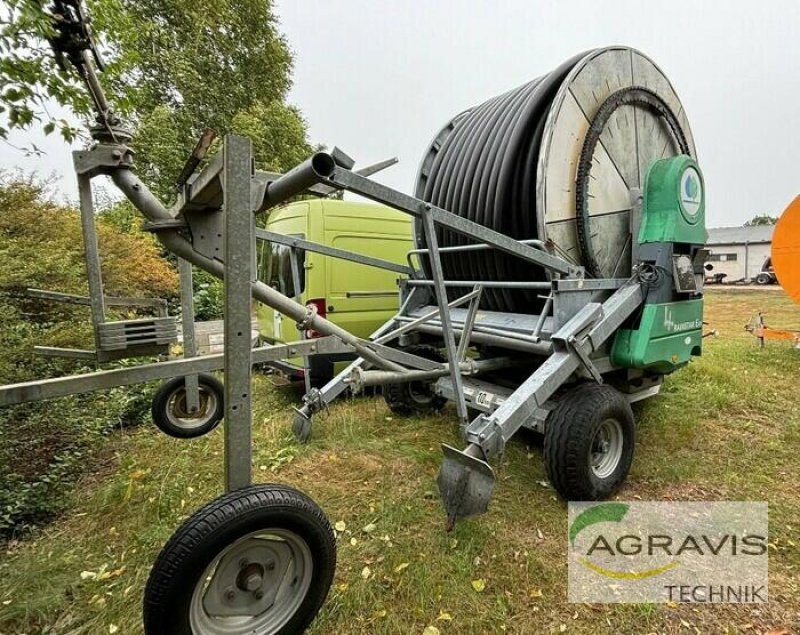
x=499 y=284
x=534 y=242
x=522 y=337
x=298 y=180
x=95 y=89
x=542 y=348
x=141 y=197
x=365 y=378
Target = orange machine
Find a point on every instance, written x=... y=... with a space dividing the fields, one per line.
x=786 y=250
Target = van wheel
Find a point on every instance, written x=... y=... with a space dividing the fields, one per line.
x=416 y=397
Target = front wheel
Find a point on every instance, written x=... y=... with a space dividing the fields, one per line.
x=588 y=442
x=256 y=561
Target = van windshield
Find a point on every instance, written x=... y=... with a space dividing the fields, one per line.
x=275 y=266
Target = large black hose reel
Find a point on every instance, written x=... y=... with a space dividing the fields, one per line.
x=557 y=159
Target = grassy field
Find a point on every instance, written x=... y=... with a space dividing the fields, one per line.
x=725 y=428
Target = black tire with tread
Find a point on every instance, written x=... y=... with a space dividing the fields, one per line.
x=204 y=535
x=161 y=402
x=568 y=436
x=398 y=396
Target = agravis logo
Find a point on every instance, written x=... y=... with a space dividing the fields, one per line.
x=649 y=552
x=603 y=513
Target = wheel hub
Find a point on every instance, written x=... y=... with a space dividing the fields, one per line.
x=254 y=586
x=184 y=412
x=607 y=448
x=251 y=576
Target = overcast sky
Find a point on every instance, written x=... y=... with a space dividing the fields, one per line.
x=379 y=77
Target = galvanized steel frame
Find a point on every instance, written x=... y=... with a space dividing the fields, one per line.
x=223 y=243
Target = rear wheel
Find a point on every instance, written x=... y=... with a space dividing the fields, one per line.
x=257 y=561
x=588 y=442
x=763 y=278
x=416 y=397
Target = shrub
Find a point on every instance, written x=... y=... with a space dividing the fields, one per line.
x=45 y=446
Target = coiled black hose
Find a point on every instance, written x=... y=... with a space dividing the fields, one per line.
x=485 y=170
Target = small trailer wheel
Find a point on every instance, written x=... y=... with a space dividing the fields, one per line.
x=416 y=397
x=588 y=442
x=256 y=561
x=763 y=278
x=173 y=417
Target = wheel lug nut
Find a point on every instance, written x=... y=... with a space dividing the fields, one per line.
x=259 y=594
x=271 y=565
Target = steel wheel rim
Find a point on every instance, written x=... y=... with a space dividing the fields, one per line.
x=606 y=448
x=219 y=606
x=179 y=415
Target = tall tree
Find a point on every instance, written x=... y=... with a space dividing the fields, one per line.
x=175 y=67
x=29 y=77
x=184 y=65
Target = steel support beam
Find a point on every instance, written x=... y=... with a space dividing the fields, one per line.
x=345 y=179
x=40 y=389
x=444 y=315
x=333 y=252
x=191 y=382
x=92 y=253
x=239 y=249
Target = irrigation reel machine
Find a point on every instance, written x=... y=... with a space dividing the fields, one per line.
x=557 y=277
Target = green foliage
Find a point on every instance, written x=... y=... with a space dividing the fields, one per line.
x=204 y=60
x=208 y=296
x=29 y=76
x=44 y=446
x=761 y=219
x=277 y=132
x=180 y=66
x=174 y=68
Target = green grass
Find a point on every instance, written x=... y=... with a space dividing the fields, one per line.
x=727 y=427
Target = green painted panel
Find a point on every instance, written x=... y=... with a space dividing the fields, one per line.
x=667 y=337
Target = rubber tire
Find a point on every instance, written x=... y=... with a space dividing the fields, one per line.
x=763 y=279
x=398 y=396
x=160 y=404
x=569 y=432
x=211 y=529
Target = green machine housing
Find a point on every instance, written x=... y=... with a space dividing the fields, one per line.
x=669 y=329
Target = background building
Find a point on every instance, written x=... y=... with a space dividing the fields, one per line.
x=740 y=252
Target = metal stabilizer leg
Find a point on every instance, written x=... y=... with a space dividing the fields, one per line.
x=301 y=424
x=466 y=483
